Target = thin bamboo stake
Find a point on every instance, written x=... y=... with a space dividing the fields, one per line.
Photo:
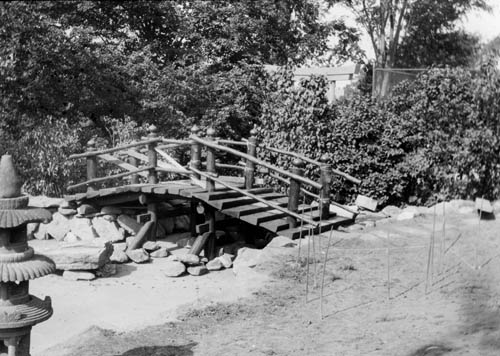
x=324 y=272
x=388 y=268
x=307 y=267
x=431 y=252
x=443 y=237
x=476 y=240
x=314 y=251
x=300 y=234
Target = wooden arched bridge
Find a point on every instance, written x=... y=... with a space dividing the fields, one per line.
x=151 y=169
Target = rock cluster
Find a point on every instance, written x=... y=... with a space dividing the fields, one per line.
x=84 y=239
x=178 y=265
x=367 y=218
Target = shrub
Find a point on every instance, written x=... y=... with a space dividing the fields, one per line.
x=436 y=136
x=40 y=156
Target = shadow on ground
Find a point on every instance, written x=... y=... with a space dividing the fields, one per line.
x=123 y=270
x=171 y=350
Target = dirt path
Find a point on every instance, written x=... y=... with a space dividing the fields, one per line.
x=460 y=314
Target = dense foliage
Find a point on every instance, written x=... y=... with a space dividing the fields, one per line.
x=170 y=63
x=437 y=135
x=73 y=70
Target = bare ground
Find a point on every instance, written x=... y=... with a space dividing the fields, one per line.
x=459 y=314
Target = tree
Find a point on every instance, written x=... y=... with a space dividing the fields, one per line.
x=415 y=32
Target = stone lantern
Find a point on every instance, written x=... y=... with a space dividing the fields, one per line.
x=19 y=310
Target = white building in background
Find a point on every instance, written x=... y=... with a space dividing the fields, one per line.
x=338 y=77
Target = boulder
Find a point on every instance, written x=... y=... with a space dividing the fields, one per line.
x=86 y=209
x=151 y=246
x=136 y=241
x=78 y=275
x=120 y=246
x=189 y=259
x=281 y=241
x=366 y=202
x=173 y=268
x=160 y=253
x=129 y=224
x=226 y=260
x=107 y=230
x=214 y=265
x=112 y=218
x=247 y=257
x=58 y=227
x=82 y=227
x=173 y=258
x=138 y=255
x=118 y=256
x=197 y=270
x=483 y=205
x=111 y=210
x=45 y=202
x=84 y=255
x=41 y=233
x=67 y=211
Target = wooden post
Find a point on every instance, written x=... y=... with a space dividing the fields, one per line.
x=153 y=179
x=152 y=155
x=250 y=166
x=210 y=184
x=325 y=180
x=210 y=252
x=195 y=163
x=294 y=191
x=195 y=151
x=134 y=179
x=91 y=164
x=152 y=210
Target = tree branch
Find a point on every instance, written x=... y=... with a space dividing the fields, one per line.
x=398 y=29
x=370 y=30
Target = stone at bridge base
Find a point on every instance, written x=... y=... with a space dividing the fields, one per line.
x=88 y=255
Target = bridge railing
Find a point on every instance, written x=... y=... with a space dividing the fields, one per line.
x=149 y=157
x=140 y=160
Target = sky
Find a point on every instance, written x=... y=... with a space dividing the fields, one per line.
x=484 y=24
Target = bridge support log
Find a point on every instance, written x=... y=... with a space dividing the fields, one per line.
x=250 y=166
x=91 y=165
x=325 y=181
x=294 y=191
x=153 y=179
x=210 y=252
x=195 y=152
x=152 y=155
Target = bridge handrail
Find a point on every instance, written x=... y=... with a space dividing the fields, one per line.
x=312 y=161
x=253 y=196
x=114 y=149
x=255 y=160
x=103 y=179
x=231 y=142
